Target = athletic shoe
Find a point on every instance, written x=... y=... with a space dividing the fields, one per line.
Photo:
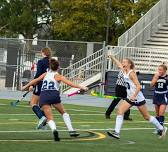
x=41 y=123
x=56 y=136
x=162 y=133
x=107 y=116
x=114 y=134
x=74 y=133
x=155 y=132
x=128 y=119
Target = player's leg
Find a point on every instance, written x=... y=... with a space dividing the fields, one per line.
x=111 y=108
x=36 y=109
x=123 y=107
x=66 y=119
x=50 y=120
x=157 y=117
x=151 y=119
x=127 y=114
x=157 y=111
x=162 y=109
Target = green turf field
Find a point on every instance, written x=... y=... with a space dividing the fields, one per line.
x=18 y=133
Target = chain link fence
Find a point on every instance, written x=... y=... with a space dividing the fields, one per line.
x=18 y=57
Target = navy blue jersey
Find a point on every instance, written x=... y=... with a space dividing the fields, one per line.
x=42 y=66
x=161 y=85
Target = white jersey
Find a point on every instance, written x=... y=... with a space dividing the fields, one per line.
x=49 y=82
x=131 y=88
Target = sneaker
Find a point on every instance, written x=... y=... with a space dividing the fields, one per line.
x=114 y=134
x=128 y=119
x=162 y=133
x=73 y=134
x=41 y=123
x=56 y=137
x=155 y=132
x=107 y=116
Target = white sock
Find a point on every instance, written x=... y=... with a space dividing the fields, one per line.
x=67 y=121
x=119 y=122
x=52 y=125
x=155 y=122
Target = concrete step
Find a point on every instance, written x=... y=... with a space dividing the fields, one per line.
x=165 y=24
x=160 y=35
x=154 y=47
x=162 y=32
x=157 y=44
x=158 y=39
x=164 y=28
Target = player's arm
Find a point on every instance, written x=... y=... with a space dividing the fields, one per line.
x=33 y=82
x=59 y=77
x=117 y=62
x=154 y=80
x=134 y=78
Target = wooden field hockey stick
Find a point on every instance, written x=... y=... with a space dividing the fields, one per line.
x=14 y=103
x=91 y=87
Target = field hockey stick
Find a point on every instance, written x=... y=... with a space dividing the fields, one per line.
x=90 y=87
x=14 y=103
x=95 y=94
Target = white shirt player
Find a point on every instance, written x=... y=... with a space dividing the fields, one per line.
x=49 y=82
x=131 y=88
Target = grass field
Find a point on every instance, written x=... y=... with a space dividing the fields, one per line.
x=18 y=133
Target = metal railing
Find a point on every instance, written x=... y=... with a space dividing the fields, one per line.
x=146 y=60
x=84 y=69
x=145 y=26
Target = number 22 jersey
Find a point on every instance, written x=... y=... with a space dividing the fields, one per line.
x=50 y=89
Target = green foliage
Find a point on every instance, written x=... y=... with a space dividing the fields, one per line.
x=81 y=20
x=21 y=16
x=87 y=20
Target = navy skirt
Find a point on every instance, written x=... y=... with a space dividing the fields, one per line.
x=160 y=99
x=49 y=97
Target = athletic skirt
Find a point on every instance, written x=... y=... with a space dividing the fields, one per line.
x=49 y=97
x=160 y=99
x=140 y=103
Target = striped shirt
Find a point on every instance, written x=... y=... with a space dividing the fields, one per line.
x=120 y=79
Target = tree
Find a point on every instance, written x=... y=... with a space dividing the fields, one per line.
x=22 y=17
x=87 y=19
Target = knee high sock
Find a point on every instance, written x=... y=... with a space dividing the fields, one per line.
x=52 y=125
x=161 y=120
x=155 y=122
x=67 y=121
x=36 y=109
x=119 y=122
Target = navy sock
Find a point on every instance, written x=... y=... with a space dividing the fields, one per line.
x=157 y=117
x=161 y=120
x=36 y=109
x=43 y=113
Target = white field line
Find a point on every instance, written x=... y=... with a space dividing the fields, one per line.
x=20 y=114
x=63 y=130
x=78 y=122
